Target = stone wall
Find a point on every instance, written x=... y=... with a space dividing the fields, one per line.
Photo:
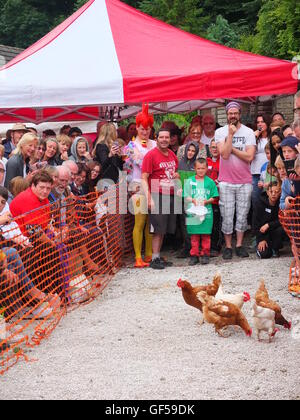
x=284 y=105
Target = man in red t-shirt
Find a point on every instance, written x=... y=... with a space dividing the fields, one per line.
x=33 y=207
x=159 y=175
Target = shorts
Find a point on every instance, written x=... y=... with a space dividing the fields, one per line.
x=163 y=219
x=234 y=199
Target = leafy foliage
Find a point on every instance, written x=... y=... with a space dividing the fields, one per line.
x=223 y=33
x=184 y=14
x=277 y=30
x=268 y=27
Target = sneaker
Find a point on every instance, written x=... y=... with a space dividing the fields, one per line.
x=214 y=253
x=193 y=261
x=157 y=264
x=276 y=253
x=241 y=252
x=183 y=253
x=227 y=254
x=166 y=263
x=40 y=312
x=204 y=260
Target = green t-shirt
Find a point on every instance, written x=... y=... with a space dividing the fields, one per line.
x=200 y=190
x=184 y=175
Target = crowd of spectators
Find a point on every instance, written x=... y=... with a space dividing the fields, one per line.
x=216 y=183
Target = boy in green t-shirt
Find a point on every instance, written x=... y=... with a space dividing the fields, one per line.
x=200 y=190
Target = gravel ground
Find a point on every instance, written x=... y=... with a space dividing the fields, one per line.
x=139 y=340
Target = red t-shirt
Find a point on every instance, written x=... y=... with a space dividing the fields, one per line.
x=213 y=168
x=213 y=172
x=25 y=202
x=161 y=169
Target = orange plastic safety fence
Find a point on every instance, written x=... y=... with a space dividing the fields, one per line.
x=290 y=220
x=54 y=259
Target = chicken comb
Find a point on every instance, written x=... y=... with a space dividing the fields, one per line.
x=247 y=296
x=144 y=118
x=179 y=283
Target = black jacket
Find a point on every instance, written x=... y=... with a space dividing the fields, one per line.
x=264 y=213
x=15 y=167
x=110 y=166
x=7 y=148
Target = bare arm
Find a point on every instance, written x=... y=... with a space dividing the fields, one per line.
x=246 y=156
x=225 y=147
x=145 y=186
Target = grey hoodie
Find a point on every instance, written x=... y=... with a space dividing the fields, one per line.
x=74 y=155
x=185 y=164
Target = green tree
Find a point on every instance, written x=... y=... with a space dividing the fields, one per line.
x=236 y=12
x=223 y=33
x=22 y=22
x=184 y=14
x=277 y=30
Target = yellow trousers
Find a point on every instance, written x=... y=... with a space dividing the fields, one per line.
x=141 y=227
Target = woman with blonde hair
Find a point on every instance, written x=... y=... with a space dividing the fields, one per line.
x=108 y=153
x=18 y=164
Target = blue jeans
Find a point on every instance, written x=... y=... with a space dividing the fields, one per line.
x=15 y=265
x=13 y=297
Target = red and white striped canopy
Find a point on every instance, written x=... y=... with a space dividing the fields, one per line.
x=108 y=53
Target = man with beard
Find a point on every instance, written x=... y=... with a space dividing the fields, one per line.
x=159 y=175
x=237 y=145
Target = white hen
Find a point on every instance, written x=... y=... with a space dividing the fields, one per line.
x=238 y=299
x=264 y=320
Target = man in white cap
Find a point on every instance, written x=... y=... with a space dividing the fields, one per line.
x=17 y=131
x=237 y=146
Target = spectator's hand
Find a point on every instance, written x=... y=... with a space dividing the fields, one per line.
x=262 y=246
x=264 y=228
x=22 y=241
x=31 y=175
x=6 y=219
x=260 y=184
x=179 y=192
x=195 y=202
x=257 y=133
x=151 y=205
x=11 y=277
x=176 y=175
x=232 y=129
x=289 y=201
x=115 y=150
x=84 y=230
x=64 y=156
x=294 y=177
x=87 y=155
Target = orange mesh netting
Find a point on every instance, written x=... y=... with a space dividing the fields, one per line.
x=290 y=220
x=54 y=259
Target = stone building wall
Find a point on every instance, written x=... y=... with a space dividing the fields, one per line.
x=284 y=105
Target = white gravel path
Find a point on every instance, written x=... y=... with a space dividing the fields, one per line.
x=139 y=340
